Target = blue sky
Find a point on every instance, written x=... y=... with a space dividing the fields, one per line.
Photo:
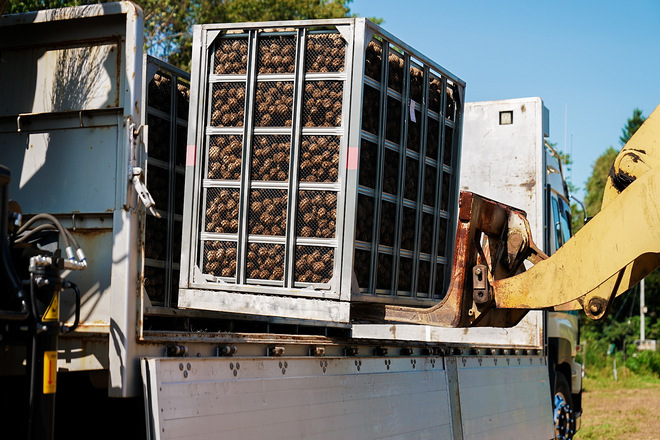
x=592 y=62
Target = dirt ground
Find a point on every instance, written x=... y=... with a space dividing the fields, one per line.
x=621 y=413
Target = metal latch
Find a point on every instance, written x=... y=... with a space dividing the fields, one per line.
x=480 y=291
x=143 y=192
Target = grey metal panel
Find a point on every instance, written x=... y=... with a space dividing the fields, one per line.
x=297 y=398
x=505 y=398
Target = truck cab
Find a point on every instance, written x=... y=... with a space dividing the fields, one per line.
x=506 y=157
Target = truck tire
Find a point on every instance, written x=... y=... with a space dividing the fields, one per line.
x=563 y=411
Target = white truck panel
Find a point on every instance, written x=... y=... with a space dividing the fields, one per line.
x=348 y=398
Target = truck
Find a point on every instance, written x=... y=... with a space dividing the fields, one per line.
x=272 y=246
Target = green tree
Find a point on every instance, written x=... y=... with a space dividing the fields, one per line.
x=596 y=183
x=631 y=126
x=168 y=23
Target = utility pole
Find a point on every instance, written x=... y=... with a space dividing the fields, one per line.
x=642 y=311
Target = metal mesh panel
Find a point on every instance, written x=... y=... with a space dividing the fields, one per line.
x=414 y=132
x=449 y=142
x=160 y=92
x=435 y=94
x=426 y=233
x=154 y=283
x=314 y=264
x=231 y=57
x=177 y=233
x=155 y=240
x=411 y=178
x=374 y=60
x=439 y=291
x=384 y=272
x=442 y=238
x=319 y=159
x=274 y=104
x=370 y=109
x=222 y=210
x=429 y=185
x=416 y=83
x=424 y=279
x=228 y=103
x=179 y=192
x=265 y=261
x=323 y=103
x=277 y=54
x=267 y=213
x=317 y=214
x=362 y=267
x=446 y=184
x=220 y=258
x=365 y=218
x=408 y=229
x=325 y=53
x=225 y=154
x=393 y=125
x=432 y=138
x=270 y=158
x=391 y=172
x=452 y=96
x=159 y=138
x=387 y=223
x=395 y=80
x=181 y=145
x=182 y=99
x=158 y=184
x=368 y=164
x=405 y=276
x=175 y=287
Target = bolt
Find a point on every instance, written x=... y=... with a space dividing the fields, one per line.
x=478 y=271
x=595 y=307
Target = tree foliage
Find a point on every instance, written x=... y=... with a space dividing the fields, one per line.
x=596 y=183
x=631 y=126
x=168 y=23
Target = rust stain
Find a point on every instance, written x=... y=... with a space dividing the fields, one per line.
x=529 y=185
x=523 y=108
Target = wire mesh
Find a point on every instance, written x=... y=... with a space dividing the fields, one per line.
x=265 y=261
x=393 y=122
x=319 y=159
x=439 y=290
x=158 y=182
x=156 y=238
x=314 y=264
x=416 y=83
x=267 y=212
x=277 y=54
x=430 y=188
x=182 y=99
x=373 y=60
x=225 y=154
x=384 y=272
x=370 y=109
x=426 y=233
x=365 y=218
x=387 y=223
x=274 y=104
x=160 y=92
x=222 y=207
x=220 y=258
x=432 y=138
x=270 y=158
x=362 y=267
x=323 y=103
x=446 y=186
x=231 y=56
x=325 y=53
x=317 y=214
x=411 y=179
x=391 y=172
x=181 y=145
x=159 y=138
x=395 y=77
x=368 y=164
x=228 y=103
x=405 y=286
x=449 y=142
x=408 y=229
x=435 y=94
x=424 y=279
x=154 y=283
x=414 y=136
x=442 y=237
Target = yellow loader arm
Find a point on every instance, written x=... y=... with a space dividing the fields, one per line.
x=613 y=251
x=610 y=254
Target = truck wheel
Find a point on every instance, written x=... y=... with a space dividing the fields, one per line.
x=562 y=406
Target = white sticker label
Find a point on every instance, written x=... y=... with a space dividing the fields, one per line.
x=412 y=110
